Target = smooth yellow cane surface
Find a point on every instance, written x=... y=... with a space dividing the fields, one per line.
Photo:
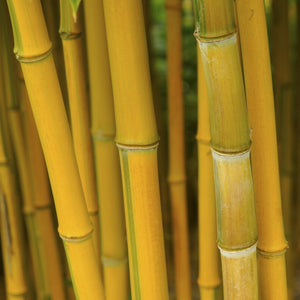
x=209 y=274
x=128 y=56
x=32 y=46
x=271 y=269
x=144 y=227
x=177 y=173
x=70 y=33
x=259 y=91
x=107 y=161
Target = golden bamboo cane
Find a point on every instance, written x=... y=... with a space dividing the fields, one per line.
x=258 y=81
x=70 y=32
x=12 y=233
x=42 y=199
x=137 y=140
x=33 y=50
x=10 y=107
x=230 y=144
x=209 y=279
x=284 y=104
x=112 y=217
x=177 y=173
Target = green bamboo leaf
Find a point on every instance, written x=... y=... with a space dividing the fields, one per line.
x=75 y=4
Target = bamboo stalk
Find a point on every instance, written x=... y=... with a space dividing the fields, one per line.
x=112 y=217
x=10 y=106
x=258 y=81
x=284 y=101
x=230 y=145
x=209 y=279
x=70 y=33
x=12 y=234
x=33 y=50
x=42 y=198
x=177 y=173
x=137 y=140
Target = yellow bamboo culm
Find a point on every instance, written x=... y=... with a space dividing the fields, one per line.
x=177 y=173
x=230 y=145
x=12 y=233
x=107 y=161
x=11 y=114
x=284 y=105
x=137 y=139
x=258 y=81
x=42 y=199
x=33 y=50
x=209 y=279
x=70 y=32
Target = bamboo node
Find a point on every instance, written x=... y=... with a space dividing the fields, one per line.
x=113 y=262
x=213 y=39
x=76 y=239
x=34 y=59
x=137 y=147
x=274 y=253
x=230 y=154
x=239 y=253
x=70 y=35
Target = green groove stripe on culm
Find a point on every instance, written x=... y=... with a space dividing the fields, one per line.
x=131 y=234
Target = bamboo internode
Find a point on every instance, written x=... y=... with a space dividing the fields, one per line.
x=137 y=138
x=259 y=91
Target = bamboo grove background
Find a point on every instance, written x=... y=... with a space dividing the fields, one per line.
x=126 y=129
